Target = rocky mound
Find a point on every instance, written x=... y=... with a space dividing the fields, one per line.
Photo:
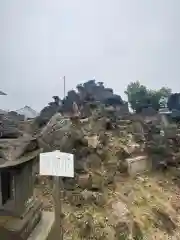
x=103 y=201
x=87 y=94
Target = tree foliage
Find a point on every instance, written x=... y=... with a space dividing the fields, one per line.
x=140 y=96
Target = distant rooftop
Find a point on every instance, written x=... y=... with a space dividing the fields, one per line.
x=28 y=112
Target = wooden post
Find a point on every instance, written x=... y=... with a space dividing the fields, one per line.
x=58 y=194
x=64 y=78
x=58 y=165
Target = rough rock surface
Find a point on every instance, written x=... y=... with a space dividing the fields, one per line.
x=9 y=127
x=102 y=201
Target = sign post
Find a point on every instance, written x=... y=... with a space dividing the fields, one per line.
x=57 y=164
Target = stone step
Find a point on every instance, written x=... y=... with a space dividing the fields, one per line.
x=43 y=229
x=14 y=227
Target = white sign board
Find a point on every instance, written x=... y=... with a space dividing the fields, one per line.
x=57 y=164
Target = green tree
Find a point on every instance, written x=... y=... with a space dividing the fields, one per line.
x=136 y=94
x=140 y=96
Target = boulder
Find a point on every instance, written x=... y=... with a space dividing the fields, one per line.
x=119 y=218
x=94 y=161
x=84 y=181
x=92 y=141
x=96 y=198
x=97 y=182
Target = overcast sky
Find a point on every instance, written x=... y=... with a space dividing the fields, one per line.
x=116 y=41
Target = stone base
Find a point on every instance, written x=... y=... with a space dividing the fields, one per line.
x=20 y=228
x=138 y=165
x=44 y=227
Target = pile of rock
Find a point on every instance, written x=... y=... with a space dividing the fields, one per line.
x=103 y=149
x=162 y=145
x=88 y=95
x=107 y=147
